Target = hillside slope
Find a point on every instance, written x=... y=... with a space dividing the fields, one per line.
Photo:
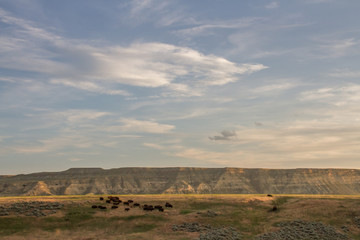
x=183 y=180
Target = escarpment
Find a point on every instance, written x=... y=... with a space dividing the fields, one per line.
x=182 y=180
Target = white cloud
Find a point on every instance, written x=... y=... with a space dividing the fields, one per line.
x=89 y=86
x=133 y=125
x=154 y=145
x=339 y=96
x=206 y=27
x=98 y=69
x=80 y=116
x=158 y=64
x=295 y=144
x=275 y=88
x=205 y=155
x=345 y=73
x=27 y=26
x=272 y=5
x=60 y=142
x=336 y=47
x=69 y=117
x=6 y=79
x=179 y=69
x=163 y=13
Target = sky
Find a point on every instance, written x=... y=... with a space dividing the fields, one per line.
x=157 y=83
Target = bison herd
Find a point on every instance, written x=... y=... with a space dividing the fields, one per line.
x=115 y=201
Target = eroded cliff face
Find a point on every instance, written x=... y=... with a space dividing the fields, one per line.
x=79 y=181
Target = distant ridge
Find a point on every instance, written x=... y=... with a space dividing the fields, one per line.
x=178 y=180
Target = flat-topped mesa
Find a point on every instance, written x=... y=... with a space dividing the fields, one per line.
x=177 y=180
x=83 y=170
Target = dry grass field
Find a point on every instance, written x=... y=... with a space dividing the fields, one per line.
x=250 y=215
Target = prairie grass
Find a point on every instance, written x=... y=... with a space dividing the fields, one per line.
x=249 y=214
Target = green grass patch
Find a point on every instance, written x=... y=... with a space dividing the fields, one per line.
x=137 y=217
x=78 y=215
x=203 y=205
x=142 y=227
x=11 y=225
x=185 y=211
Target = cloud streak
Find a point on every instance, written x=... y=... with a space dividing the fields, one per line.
x=99 y=69
x=134 y=125
x=339 y=96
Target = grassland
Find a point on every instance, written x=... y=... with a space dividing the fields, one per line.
x=249 y=214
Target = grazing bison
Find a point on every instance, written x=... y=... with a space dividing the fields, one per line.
x=127 y=209
x=94 y=206
x=130 y=201
x=114 y=207
x=269 y=195
x=114 y=199
x=136 y=205
x=101 y=198
x=148 y=208
x=159 y=207
x=274 y=209
x=102 y=207
x=108 y=201
x=126 y=203
x=168 y=205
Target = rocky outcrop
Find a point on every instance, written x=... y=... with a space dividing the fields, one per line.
x=183 y=180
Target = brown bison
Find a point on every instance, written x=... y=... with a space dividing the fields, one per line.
x=168 y=205
x=148 y=208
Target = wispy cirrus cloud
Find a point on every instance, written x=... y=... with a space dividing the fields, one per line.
x=272 y=5
x=339 y=96
x=167 y=12
x=294 y=144
x=339 y=47
x=344 y=73
x=278 y=86
x=154 y=145
x=143 y=126
x=79 y=129
x=90 y=86
x=107 y=69
x=206 y=27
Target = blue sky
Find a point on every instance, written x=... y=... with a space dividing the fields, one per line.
x=255 y=84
